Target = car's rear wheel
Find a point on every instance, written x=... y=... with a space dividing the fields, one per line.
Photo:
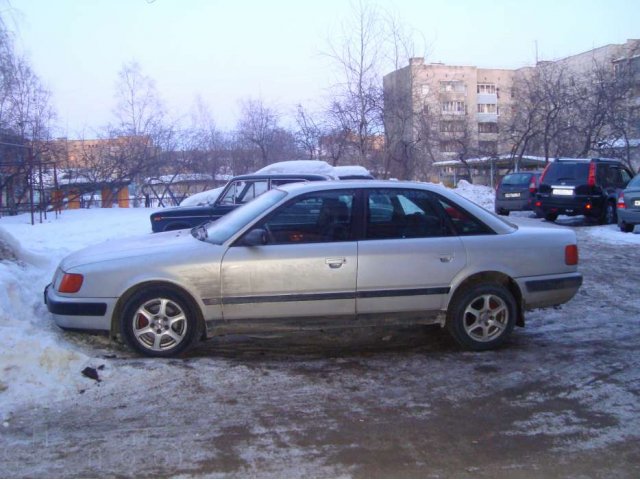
x=550 y=216
x=626 y=228
x=608 y=214
x=159 y=322
x=482 y=317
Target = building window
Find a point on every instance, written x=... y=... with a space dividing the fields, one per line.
x=487 y=108
x=454 y=86
x=425 y=90
x=452 y=127
x=487 y=88
x=454 y=107
x=449 y=146
x=488 y=148
x=487 y=127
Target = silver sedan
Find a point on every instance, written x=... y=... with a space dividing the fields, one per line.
x=321 y=255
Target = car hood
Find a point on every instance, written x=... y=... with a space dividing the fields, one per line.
x=123 y=248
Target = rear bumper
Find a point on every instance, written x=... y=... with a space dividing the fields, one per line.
x=549 y=290
x=80 y=313
x=515 y=204
x=630 y=217
x=577 y=205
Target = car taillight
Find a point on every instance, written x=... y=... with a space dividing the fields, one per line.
x=532 y=185
x=70 y=283
x=591 y=181
x=544 y=172
x=621 y=203
x=571 y=254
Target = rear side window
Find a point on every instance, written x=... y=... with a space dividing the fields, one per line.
x=568 y=172
x=403 y=213
x=463 y=223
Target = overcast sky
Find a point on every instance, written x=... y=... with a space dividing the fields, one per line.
x=228 y=50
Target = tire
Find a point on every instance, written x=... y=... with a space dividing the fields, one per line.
x=608 y=214
x=626 y=228
x=159 y=322
x=550 y=216
x=482 y=316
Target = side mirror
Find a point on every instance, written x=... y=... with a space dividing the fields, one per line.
x=254 y=238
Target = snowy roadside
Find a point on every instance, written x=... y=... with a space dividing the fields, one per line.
x=38 y=362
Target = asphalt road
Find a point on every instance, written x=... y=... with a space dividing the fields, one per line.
x=560 y=400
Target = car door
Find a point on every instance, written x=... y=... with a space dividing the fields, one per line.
x=409 y=254
x=306 y=269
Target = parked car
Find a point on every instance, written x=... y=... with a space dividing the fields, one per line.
x=576 y=186
x=239 y=190
x=517 y=192
x=321 y=255
x=629 y=206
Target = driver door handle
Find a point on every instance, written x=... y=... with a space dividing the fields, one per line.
x=335 y=262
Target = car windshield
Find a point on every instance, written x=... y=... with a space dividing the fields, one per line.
x=517 y=179
x=222 y=229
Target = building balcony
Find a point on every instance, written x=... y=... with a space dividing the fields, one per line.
x=487 y=117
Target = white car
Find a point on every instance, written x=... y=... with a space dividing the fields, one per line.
x=321 y=255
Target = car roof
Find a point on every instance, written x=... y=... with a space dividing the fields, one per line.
x=281 y=176
x=358 y=183
x=587 y=160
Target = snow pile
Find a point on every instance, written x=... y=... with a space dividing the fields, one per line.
x=480 y=194
x=309 y=167
x=342 y=171
x=37 y=363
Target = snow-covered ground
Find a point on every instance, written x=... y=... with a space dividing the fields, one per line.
x=41 y=365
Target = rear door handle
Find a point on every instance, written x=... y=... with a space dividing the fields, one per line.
x=446 y=258
x=335 y=262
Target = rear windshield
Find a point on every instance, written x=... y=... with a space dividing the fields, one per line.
x=567 y=172
x=517 y=179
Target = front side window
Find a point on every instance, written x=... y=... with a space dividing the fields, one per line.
x=403 y=213
x=313 y=218
x=241 y=191
x=224 y=228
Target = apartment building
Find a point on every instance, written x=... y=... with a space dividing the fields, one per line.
x=445 y=113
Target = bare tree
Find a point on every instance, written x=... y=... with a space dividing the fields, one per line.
x=358 y=95
x=308 y=133
x=257 y=126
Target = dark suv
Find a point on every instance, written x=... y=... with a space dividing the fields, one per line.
x=239 y=190
x=517 y=191
x=578 y=186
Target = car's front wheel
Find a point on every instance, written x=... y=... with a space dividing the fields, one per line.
x=482 y=317
x=159 y=322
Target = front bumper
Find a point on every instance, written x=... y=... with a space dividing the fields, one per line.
x=549 y=290
x=80 y=313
